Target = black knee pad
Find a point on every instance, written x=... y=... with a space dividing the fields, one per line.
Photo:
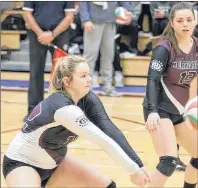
x=112 y=185
x=167 y=165
x=194 y=162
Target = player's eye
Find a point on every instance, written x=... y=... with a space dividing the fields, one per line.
x=83 y=76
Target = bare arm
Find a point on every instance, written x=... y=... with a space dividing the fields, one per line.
x=32 y=24
x=64 y=24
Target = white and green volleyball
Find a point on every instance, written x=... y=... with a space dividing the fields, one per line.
x=191 y=113
x=121 y=16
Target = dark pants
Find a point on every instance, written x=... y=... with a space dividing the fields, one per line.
x=196 y=31
x=159 y=26
x=38 y=54
x=145 y=11
x=131 y=31
x=116 y=61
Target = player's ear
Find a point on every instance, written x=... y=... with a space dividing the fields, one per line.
x=66 y=81
x=171 y=23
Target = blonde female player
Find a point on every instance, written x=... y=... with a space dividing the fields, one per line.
x=173 y=66
x=38 y=153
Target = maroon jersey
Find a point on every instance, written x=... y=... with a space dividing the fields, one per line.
x=169 y=77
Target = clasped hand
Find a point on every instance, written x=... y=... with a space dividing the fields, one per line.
x=141 y=178
x=46 y=38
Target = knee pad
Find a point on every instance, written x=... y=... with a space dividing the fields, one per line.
x=194 y=162
x=112 y=185
x=167 y=165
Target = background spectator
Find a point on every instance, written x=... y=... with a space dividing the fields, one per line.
x=48 y=22
x=160 y=12
x=98 y=20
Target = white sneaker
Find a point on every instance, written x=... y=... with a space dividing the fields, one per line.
x=95 y=83
x=110 y=91
x=119 y=79
x=127 y=54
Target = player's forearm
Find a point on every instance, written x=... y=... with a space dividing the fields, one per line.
x=64 y=24
x=74 y=120
x=193 y=88
x=157 y=65
x=151 y=92
x=113 y=132
x=32 y=24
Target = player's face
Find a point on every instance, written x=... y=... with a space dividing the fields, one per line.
x=183 y=23
x=81 y=80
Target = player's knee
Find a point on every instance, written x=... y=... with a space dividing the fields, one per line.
x=167 y=165
x=112 y=185
x=194 y=162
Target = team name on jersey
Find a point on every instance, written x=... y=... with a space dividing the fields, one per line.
x=185 y=64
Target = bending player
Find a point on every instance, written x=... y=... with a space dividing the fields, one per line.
x=173 y=66
x=38 y=153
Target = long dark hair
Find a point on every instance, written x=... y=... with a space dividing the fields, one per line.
x=169 y=31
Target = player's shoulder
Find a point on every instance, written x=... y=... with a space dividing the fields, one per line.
x=89 y=99
x=165 y=43
x=89 y=96
x=59 y=99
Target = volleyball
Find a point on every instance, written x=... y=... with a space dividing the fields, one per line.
x=191 y=113
x=121 y=16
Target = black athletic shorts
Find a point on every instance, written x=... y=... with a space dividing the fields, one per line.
x=176 y=119
x=9 y=165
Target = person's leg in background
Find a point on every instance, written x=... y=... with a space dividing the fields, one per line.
x=118 y=76
x=37 y=64
x=92 y=42
x=163 y=24
x=140 y=20
x=107 y=57
x=95 y=76
x=145 y=12
x=156 y=27
x=134 y=28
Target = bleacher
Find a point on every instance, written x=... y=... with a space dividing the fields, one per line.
x=134 y=68
x=10 y=38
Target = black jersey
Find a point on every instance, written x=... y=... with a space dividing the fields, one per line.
x=42 y=142
x=169 y=77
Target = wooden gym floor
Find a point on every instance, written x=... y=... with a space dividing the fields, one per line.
x=125 y=112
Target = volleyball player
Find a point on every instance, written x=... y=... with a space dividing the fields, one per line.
x=173 y=66
x=38 y=152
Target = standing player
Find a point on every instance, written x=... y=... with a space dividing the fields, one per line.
x=173 y=66
x=38 y=151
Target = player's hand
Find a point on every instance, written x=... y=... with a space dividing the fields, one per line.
x=140 y=178
x=46 y=38
x=153 y=122
x=88 y=26
x=146 y=172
